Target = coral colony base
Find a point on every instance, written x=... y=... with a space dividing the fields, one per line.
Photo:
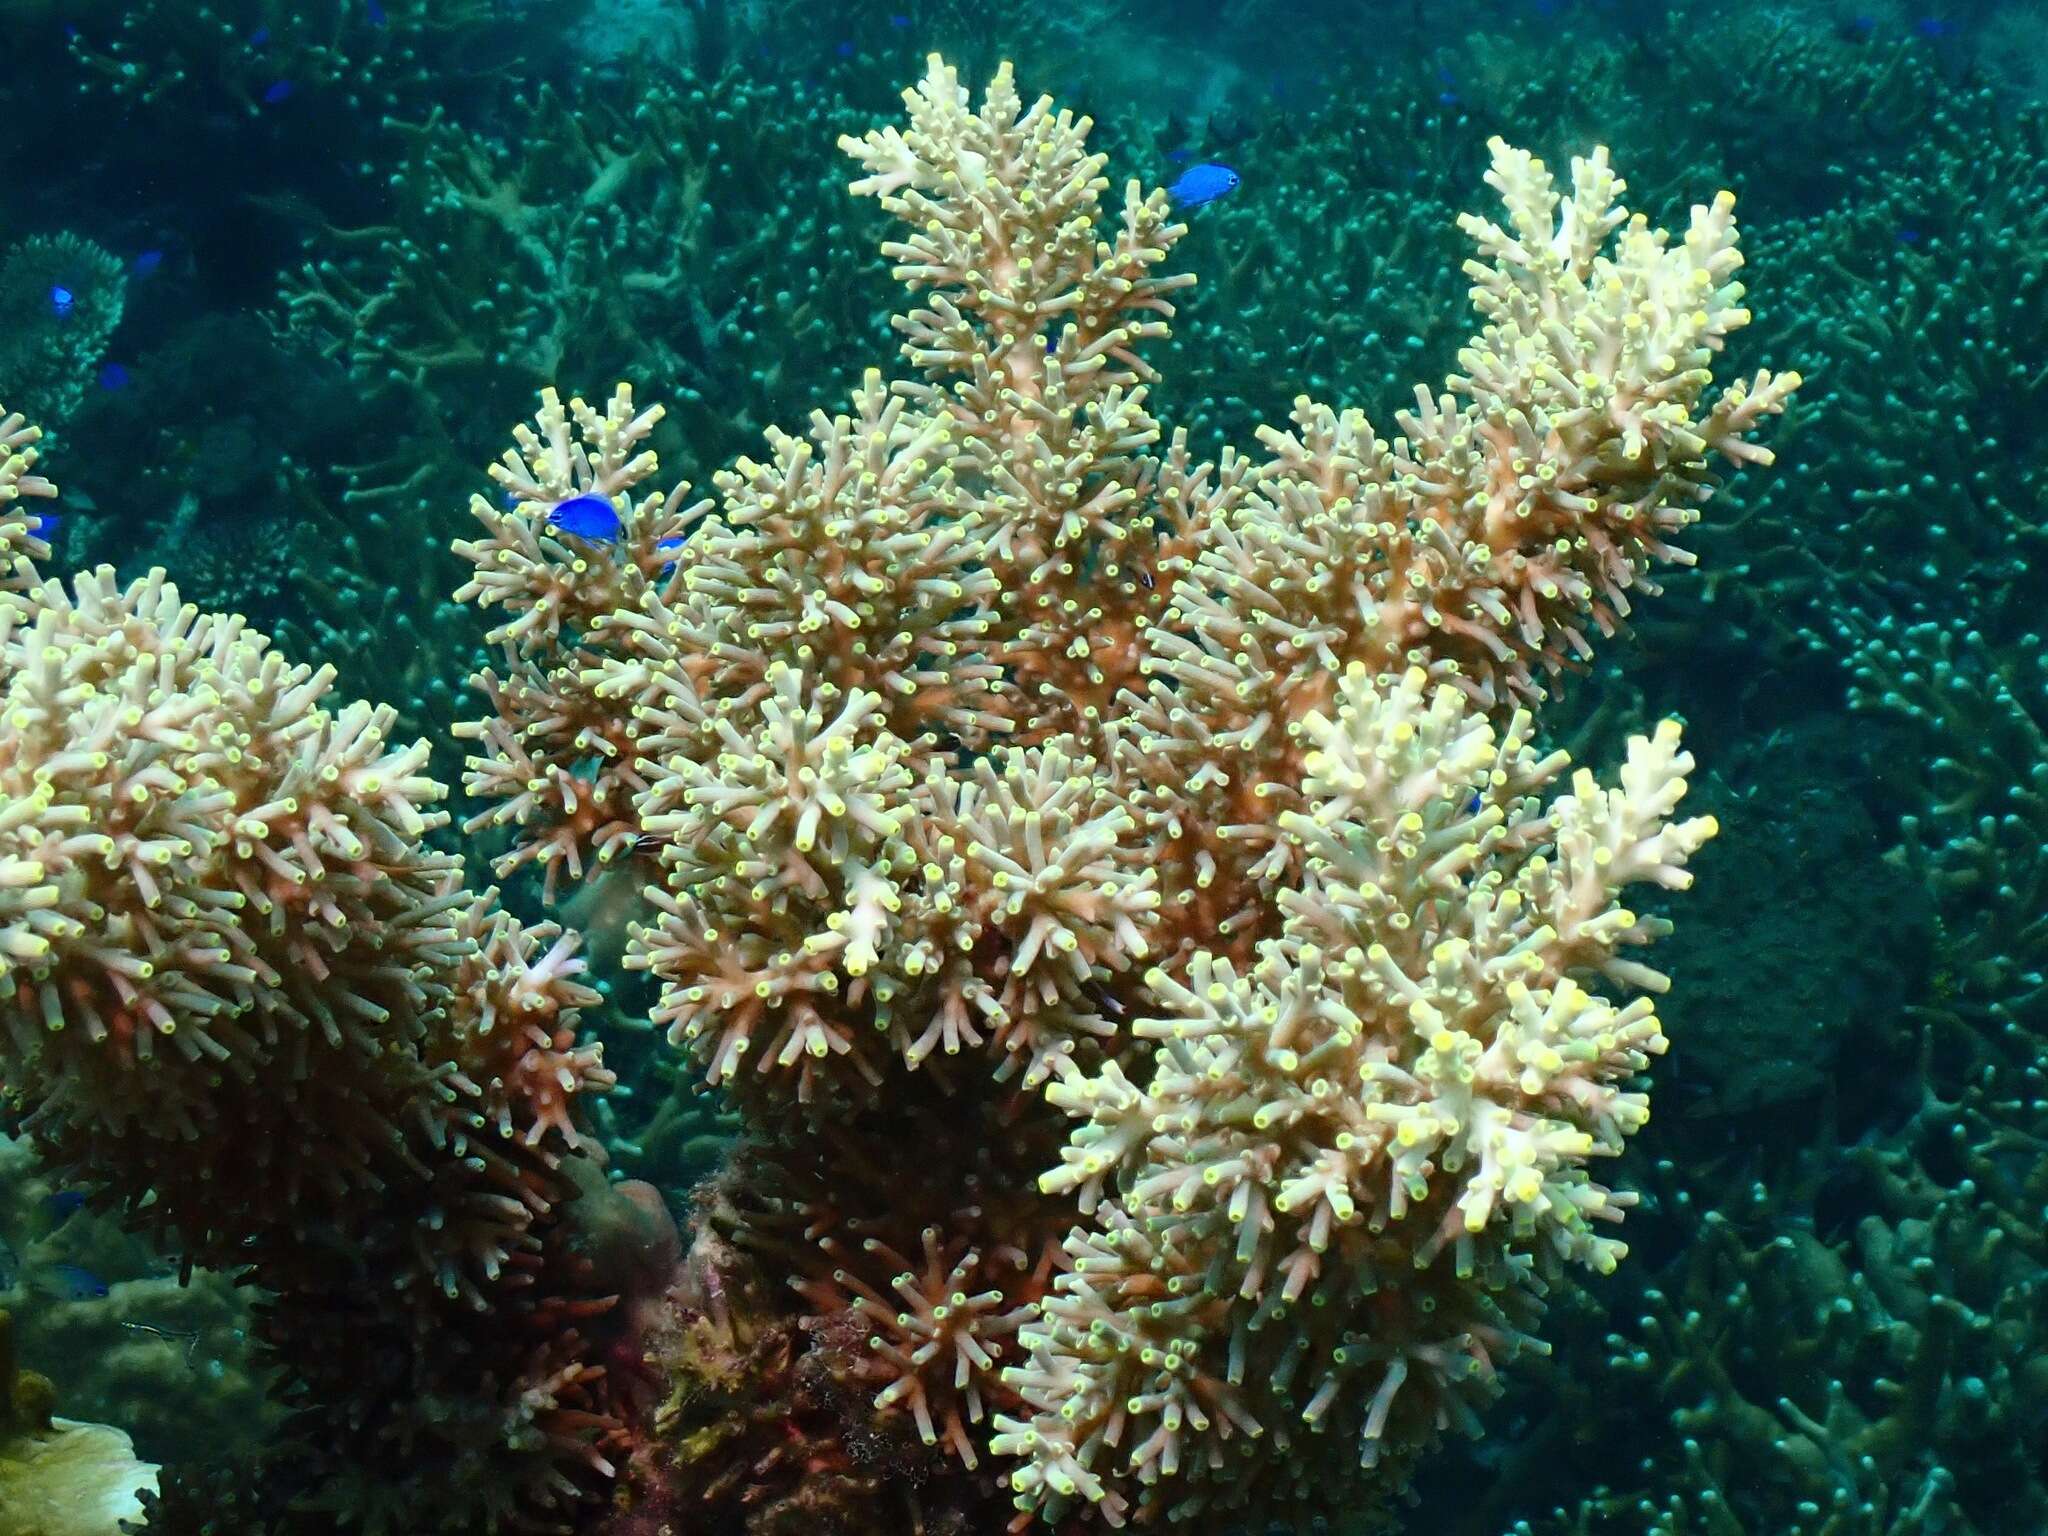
x=1173 y=1001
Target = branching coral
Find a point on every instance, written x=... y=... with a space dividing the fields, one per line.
x=1979 y=709
x=646 y=226
x=1375 y=1132
x=555 y=756
x=1847 y=1340
x=982 y=732
x=20 y=545
x=852 y=1299
x=243 y=994
x=933 y=1256
x=231 y=57
x=1482 y=542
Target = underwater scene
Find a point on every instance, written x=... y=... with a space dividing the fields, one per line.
x=913 y=768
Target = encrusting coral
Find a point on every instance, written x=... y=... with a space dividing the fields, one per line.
x=980 y=732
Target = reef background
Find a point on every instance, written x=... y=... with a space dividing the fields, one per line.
x=302 y=317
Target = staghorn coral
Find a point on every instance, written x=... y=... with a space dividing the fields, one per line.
x=983 y=734
x=934 y=1254
x=637 y=222
x=1372 y=1145
x=555 y=756
x=1938 y=287
x=848 y=1308
x=244 y=996
x=1974 y=840
x=20 y=545
x=1847 y=1340
x=1483 y=542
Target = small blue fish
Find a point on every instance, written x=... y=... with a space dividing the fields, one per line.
x=375 y=13
x=279 y=91
x=44 y=525
x=674 y=541
x=1932 y=26
x=113 y=376
x=68 y=1282
x=1472 y=806
x=148 y=262
x=899 y=21
x=259 y=37
x=845 y=50
x=62 y=301
x=63 y=1205
x=588 y=517
x=1203 y=183
x=1909 y=237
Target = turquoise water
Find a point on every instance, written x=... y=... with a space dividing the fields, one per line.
x=1041 y=893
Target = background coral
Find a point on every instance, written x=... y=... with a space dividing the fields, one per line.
x=63 y=297
x=167 y=1359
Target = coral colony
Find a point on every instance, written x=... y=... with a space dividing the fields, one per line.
x=1173 y=1001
